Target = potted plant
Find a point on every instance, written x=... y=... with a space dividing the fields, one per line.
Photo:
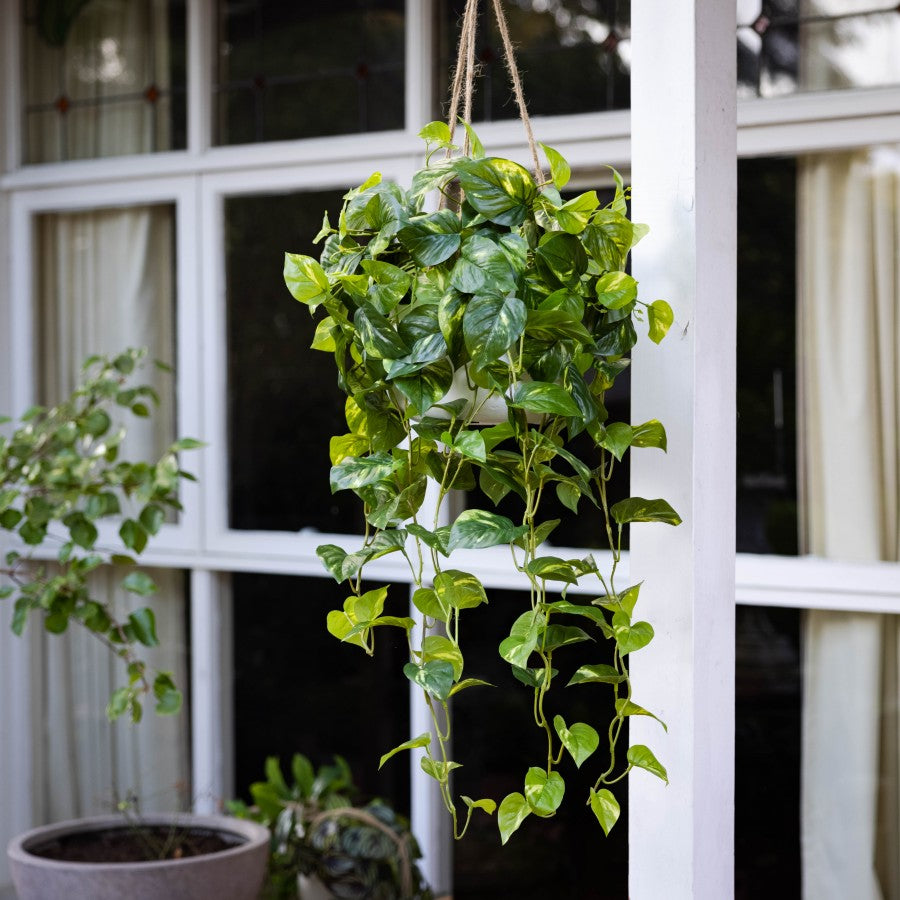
x=62 y=476
x=326 y=843
x=505 y=294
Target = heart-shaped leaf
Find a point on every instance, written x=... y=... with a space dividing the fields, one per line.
x=514 y=809
x=580 y=740
x=544 y=792
x=605 y=807
x=642 y=757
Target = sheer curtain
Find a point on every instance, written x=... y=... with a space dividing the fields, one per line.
x=105 y=280
x=849 y=342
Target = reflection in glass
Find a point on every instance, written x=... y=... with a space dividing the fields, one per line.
x=283 y=400
x=786 y=46
x=574 y=56
x=103 y=79
x=292 y=70
x=298 y=689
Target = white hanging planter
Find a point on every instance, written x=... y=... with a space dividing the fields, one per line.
x=490 y=408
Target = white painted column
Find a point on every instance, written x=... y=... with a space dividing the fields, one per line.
x=211 y=698
x=681 y=842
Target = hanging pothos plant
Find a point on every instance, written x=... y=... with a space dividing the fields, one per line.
x=510 y=295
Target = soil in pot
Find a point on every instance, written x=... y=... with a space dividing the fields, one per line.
x=141 y=843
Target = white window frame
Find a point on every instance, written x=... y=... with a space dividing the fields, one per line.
x=196 y=180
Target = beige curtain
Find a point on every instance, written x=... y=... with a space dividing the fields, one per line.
x=115 y=51
x=849 y=349
x=105 y=281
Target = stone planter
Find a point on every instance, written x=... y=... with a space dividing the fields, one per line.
x=236 y=873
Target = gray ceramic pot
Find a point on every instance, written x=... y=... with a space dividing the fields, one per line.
x=237 y=873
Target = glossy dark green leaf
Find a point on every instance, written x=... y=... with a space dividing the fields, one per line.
x=378 y=336
x=561 y=258
x=523 y=639
x=649 y=434
x=501 y=190
x=357 y=471
x=577 y=609
x=491 y=324
x=556 y=636
x=484 y=267
x=637 y=509
x=617 y=438
x=554 y=325
x=478 y=528
x=143 y=625
x=542 y=397
x=551 y=568
x=437 y=539
x=436 y=646
x=433 y=238
x=426 y=387
x=435 y=677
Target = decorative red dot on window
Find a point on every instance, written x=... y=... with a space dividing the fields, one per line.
x=62 y=104
x=151 y=95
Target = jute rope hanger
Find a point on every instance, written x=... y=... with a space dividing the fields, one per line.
x=464 y=78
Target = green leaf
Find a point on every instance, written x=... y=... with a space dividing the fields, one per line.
x=478 y=528
x=139 y=583
x=544 y=792
x=616 y=289
x=477 y=148
x=489 y=806
x=436 y=133
x=379 y=339
x=580 y=740
x=423 y=740
x=470 y=444
x=650 y=434
x=436 y=646
x=628 y=708
x=514 y=809
x=600 y=673
x=358 y=471
x=543 y=397
x=483 y=267
x=436 y=540
x=143 y=624
x=523 y=638
x=577 y=609
x=427 y=386
x=552 y=568
x=501 y=190
x=436 y=769
x=458 y=590
x=562 y=636
x=305 y=279
x=659 y=319
x=304 y=774
x=469 y=683
x=133 y=535
x=152 y=517
x=568 y=495
x=560 y=257
x=630 y=638
x=535 y=677
x=605 y=807
x=637 y=509
x=642 y=757
x=431 y=239
x=435 y=677
x=559 y=168
x=491 y=324
x=617 y=439
x=574 y=215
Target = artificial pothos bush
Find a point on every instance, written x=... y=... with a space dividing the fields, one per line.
x=61 y=473
x=504 y=293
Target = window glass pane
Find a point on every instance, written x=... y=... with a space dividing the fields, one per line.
x=294 y=70
x=103 y=79
x=299 y=690
x=496 y=742
x=767 y=753
x=573 y=55
x=766 y=353
x=785 y=46
x=283 y=400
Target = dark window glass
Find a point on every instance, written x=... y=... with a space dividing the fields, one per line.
x=788 y=46
x=766 y=382
x=545 y=857
x=103 y=79
x=767 y=753
x=283 y=400
x=573 y=56
x=299 y=690
x=292 y=70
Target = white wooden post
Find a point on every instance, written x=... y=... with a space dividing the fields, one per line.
x=684 y=179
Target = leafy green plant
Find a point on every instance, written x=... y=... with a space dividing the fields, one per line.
x=506 y=293
x=356 y=851
x=60 y=475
